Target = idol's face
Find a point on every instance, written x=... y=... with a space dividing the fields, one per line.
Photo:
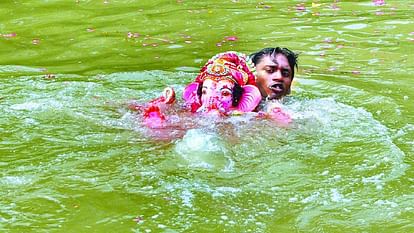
x=217 y=94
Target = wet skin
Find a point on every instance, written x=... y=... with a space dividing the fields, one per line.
x=274 y=76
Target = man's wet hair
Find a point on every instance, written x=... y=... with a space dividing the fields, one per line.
x=272 y=52
x=237 y=93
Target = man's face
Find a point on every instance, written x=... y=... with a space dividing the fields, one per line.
x=274 y=76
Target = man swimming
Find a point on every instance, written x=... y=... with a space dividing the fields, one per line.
x=274 y=71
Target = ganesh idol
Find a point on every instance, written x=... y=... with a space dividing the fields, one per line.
x=225 y=86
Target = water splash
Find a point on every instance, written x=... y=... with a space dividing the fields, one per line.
x=204 y=149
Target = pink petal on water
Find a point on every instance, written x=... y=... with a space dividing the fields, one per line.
x=231 y=38
x=356 y=72
x=300 y=7
x=10 y=35
x=379 y=13
x=35 y=41
x=335 y=7
x=411 y=33
x=133 y=35
x=378 y=2
x=327 y=40
x=218 y=44
x=138 y=219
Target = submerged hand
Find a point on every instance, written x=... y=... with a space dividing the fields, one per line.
x=281 y=117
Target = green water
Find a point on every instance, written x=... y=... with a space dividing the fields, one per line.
x=73 y=158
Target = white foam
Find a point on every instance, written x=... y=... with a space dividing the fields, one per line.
x=15 y=180
x=26 y=106
x=356 y=26
x=204 y=150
